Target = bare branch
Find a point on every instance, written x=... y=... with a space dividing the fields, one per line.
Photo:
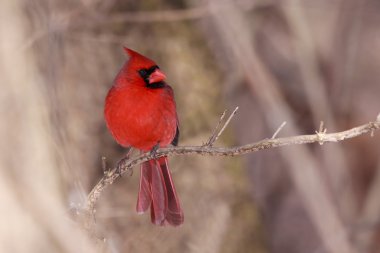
x=127 y=165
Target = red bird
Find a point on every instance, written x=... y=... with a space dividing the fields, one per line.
x=140 y=112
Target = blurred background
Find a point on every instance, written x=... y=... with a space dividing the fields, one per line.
x=298 y=61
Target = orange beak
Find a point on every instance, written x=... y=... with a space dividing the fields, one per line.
x=156 y=76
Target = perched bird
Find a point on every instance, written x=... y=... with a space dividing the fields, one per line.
x=140 y=112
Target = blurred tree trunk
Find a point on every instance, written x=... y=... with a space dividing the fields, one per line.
x=32 y=209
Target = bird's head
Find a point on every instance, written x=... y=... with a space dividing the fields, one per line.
x=142 y=71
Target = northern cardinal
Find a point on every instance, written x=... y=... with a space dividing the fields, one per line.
x=140 y=112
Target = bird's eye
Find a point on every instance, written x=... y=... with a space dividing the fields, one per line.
x=143 y=73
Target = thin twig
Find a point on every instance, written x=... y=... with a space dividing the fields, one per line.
x=215 y=135
x=110 y=177
x=321 y=133
x=227 y=122
x=104 y=164
x=279 y=129
x=212 y=139
x=321 y=127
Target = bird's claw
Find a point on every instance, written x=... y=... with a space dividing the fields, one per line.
x=153 y=151
x=119 y=167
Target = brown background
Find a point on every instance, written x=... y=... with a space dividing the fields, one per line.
x=299 y=61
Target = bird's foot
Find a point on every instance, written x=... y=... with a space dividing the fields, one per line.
x=121 y=164
x=153 y=151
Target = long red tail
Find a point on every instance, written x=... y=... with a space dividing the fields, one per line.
x=157 y=191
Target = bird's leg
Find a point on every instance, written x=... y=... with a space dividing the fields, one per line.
x=153 y=151
x=120 y=164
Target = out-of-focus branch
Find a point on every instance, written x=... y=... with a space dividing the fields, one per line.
x=159 y=16
x=315 y=89
x=320 y=137
x=191 y=13
x=369 y=215
x=236 y=34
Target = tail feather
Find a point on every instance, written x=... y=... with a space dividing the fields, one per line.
x=144 y=198
x=159 y=195
x=174 y=215
x=157 y=191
